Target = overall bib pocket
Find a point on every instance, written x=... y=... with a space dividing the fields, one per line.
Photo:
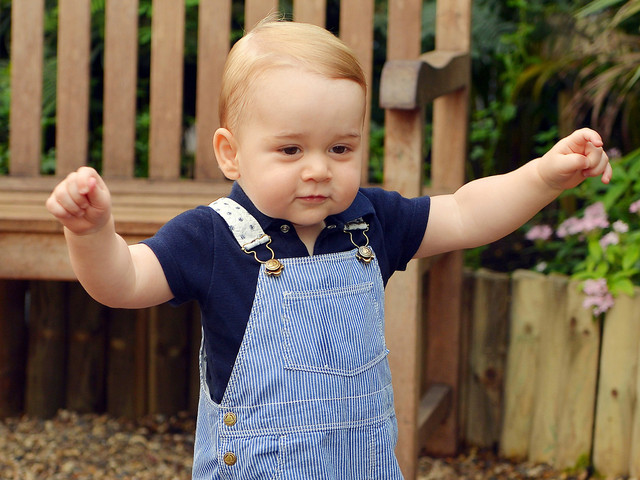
x=336 y=331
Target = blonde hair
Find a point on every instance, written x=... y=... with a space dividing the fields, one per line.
x=273 y=44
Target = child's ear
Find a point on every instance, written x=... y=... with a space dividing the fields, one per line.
x=224 y=146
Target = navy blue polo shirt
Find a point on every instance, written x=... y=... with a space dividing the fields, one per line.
x=202 y=261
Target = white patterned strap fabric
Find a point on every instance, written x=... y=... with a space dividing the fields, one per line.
x=243 y=225
x=357 y=224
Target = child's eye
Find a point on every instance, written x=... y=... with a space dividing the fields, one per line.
x=340 y=149
x=290 y=150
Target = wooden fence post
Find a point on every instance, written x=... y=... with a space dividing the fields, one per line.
x=46 y=363
x=86 y=352
x=487 y=357
x=169 y=332
x=550 y=362
x=617 y=388
x=578 y=384
x=127 y=363
x=528 y=297
x=13 y=347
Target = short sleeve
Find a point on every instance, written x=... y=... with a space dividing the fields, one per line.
x=184 y=248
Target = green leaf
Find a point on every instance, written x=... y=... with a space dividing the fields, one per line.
x=594 y=250
x=631 y=256
x=624 y=285
x=596 y=6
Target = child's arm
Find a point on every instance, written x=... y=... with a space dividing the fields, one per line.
x=487 y=209
x=113 y=273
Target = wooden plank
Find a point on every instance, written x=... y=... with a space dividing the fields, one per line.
x=550 y=370
x=46 y=367
x=578 y=387
x=25 y=143
x=256 y=10
x=615 y=410
x=86 y=351
x=634 y=448
x=448 y=160
x=409 y=84
x=72 y=116
x=528 y=300
x=120 y=77
x=214 y=29
x=434 y=408
x=451 y=112
x=127 y=363
x=165 y=104
x=487 y=358
x=312 y=11
x=169 y=330
x=356 y=30
x=403 y=37
x=402 y=172
x=404 y=290
x=13 y=347
x=453 y=25
x=444 y=349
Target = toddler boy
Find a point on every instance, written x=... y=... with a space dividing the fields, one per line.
x=289 y=270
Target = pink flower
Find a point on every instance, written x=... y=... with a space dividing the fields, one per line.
x=571 y=226
x=610 y=238
x=595 y=216
x=598 y=298
x=596 y=287
x=598 y=305
x=620 y=227
x=539 y=232
x=635 y=207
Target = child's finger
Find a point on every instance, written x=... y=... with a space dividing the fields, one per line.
x=577 y=142
x=598 y=163
x=97 y=192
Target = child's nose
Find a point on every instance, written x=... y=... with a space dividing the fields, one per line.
x=316 y=168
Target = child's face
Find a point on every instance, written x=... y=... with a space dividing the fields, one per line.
x=299 y=146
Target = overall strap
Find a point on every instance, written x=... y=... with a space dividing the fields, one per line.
x=245 y=228
x=247 y=232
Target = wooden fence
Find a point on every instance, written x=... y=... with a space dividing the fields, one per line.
x=548 y=382
x=61 y=349
x=543 y=380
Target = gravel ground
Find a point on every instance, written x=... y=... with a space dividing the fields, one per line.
x=87 y=447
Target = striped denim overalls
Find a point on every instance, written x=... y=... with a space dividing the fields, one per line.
x=310 y=393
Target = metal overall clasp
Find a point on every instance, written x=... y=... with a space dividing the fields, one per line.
x=364 y=252
x=273 y=267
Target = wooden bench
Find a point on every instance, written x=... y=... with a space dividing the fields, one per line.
x=425 y=355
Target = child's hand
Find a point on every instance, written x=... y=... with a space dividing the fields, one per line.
x=574 y=158
x=81 y=202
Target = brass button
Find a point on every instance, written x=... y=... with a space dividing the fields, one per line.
x=285 y=228
x=273 y=267
x=229 y=419
x=230 y=458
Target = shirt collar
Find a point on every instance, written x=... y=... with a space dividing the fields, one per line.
x=361 y=207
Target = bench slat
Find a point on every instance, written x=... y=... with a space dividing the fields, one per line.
x=120 y=78
x=356 y=30
x=256 y=10
x=314 y=11
x=27 y=19
x=165 y=128
x=403 y=172
x=214 y=30
x=72 y=117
